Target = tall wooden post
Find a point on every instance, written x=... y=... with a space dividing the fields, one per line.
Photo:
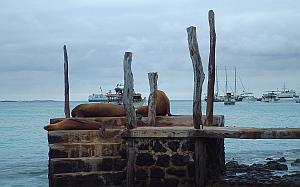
x=200 y=151
x=211 y=70
x=128 y=91
x=198 y=76
x=130 y=115
x=152 y=98
x=66 y=80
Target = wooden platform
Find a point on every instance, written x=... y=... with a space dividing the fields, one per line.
x=214 y=132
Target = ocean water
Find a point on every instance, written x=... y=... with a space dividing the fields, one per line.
x=24 y=148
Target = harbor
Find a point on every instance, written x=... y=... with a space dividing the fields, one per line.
x=149 y=94
x=106 y=144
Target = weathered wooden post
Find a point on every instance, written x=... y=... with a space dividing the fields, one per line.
x=198 y=76
x=66 y=80
x=211 y=70
x=152 y=98
x=200 y=151
x=130 y=115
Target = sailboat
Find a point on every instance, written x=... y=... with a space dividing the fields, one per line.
x=217 y=98
x=229 y=98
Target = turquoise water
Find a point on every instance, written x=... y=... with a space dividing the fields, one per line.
x=24 y=148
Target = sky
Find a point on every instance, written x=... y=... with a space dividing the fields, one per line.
x=260 y=38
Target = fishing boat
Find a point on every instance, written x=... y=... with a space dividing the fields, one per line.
x=117 y=97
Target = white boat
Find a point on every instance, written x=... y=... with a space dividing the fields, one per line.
x=288 y=96
x=98 y=97
x=270 y=96
x=246 y=97
x=281 y=96
x=116 y=97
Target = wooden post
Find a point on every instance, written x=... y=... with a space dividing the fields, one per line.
x=152 y=98
x=211 y=70
x=200 y=163
x=197 y=110
x=198 y=77
x=66 y=80
x=130 y=115
x=128 y=91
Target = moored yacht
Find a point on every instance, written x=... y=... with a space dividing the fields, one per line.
x=116 y=97
x=246 y=97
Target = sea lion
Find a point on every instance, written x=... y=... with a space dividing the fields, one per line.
x=87 y=124
x=162 y=105
x=98 y=110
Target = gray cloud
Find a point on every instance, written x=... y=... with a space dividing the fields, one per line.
x=261 y=38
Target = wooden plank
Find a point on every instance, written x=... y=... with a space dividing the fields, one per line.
x=211 y=70
x=66 y=81
x=152 y=98
x=198 y=76
x=214 y=132
x=128 y=91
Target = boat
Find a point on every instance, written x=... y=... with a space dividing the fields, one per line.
x=287 y=95
x=281 y=96
x=98 y=97
x=229 y=98
x=269 y=96
x=117 y=97
x=246 y=97
x=217 y=98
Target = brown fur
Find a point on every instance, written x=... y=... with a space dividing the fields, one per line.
x=98 y=110
x=87 y=124
x=162 y=105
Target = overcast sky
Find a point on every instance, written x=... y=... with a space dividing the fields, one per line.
x=260 y=38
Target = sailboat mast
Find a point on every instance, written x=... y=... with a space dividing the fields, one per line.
x=226 y=78
x=235 y=81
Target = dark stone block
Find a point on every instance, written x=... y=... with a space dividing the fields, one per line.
x=171 y=182
x=107 y=164
x=176 y=172
x=158 y=147
x=120 y=164
x=180 y=160
x=163 y=160
x=188 y=146
x=55 y=153
x=61 y=167
x=143 y=146
x=191 y=169
x=156 y=183
x=157 y=172
x=141 y=174
x=173 y=145
x=144 y=159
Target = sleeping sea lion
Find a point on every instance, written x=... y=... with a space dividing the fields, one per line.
x=87 y=124
x=162 y=105
x=98 y=110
